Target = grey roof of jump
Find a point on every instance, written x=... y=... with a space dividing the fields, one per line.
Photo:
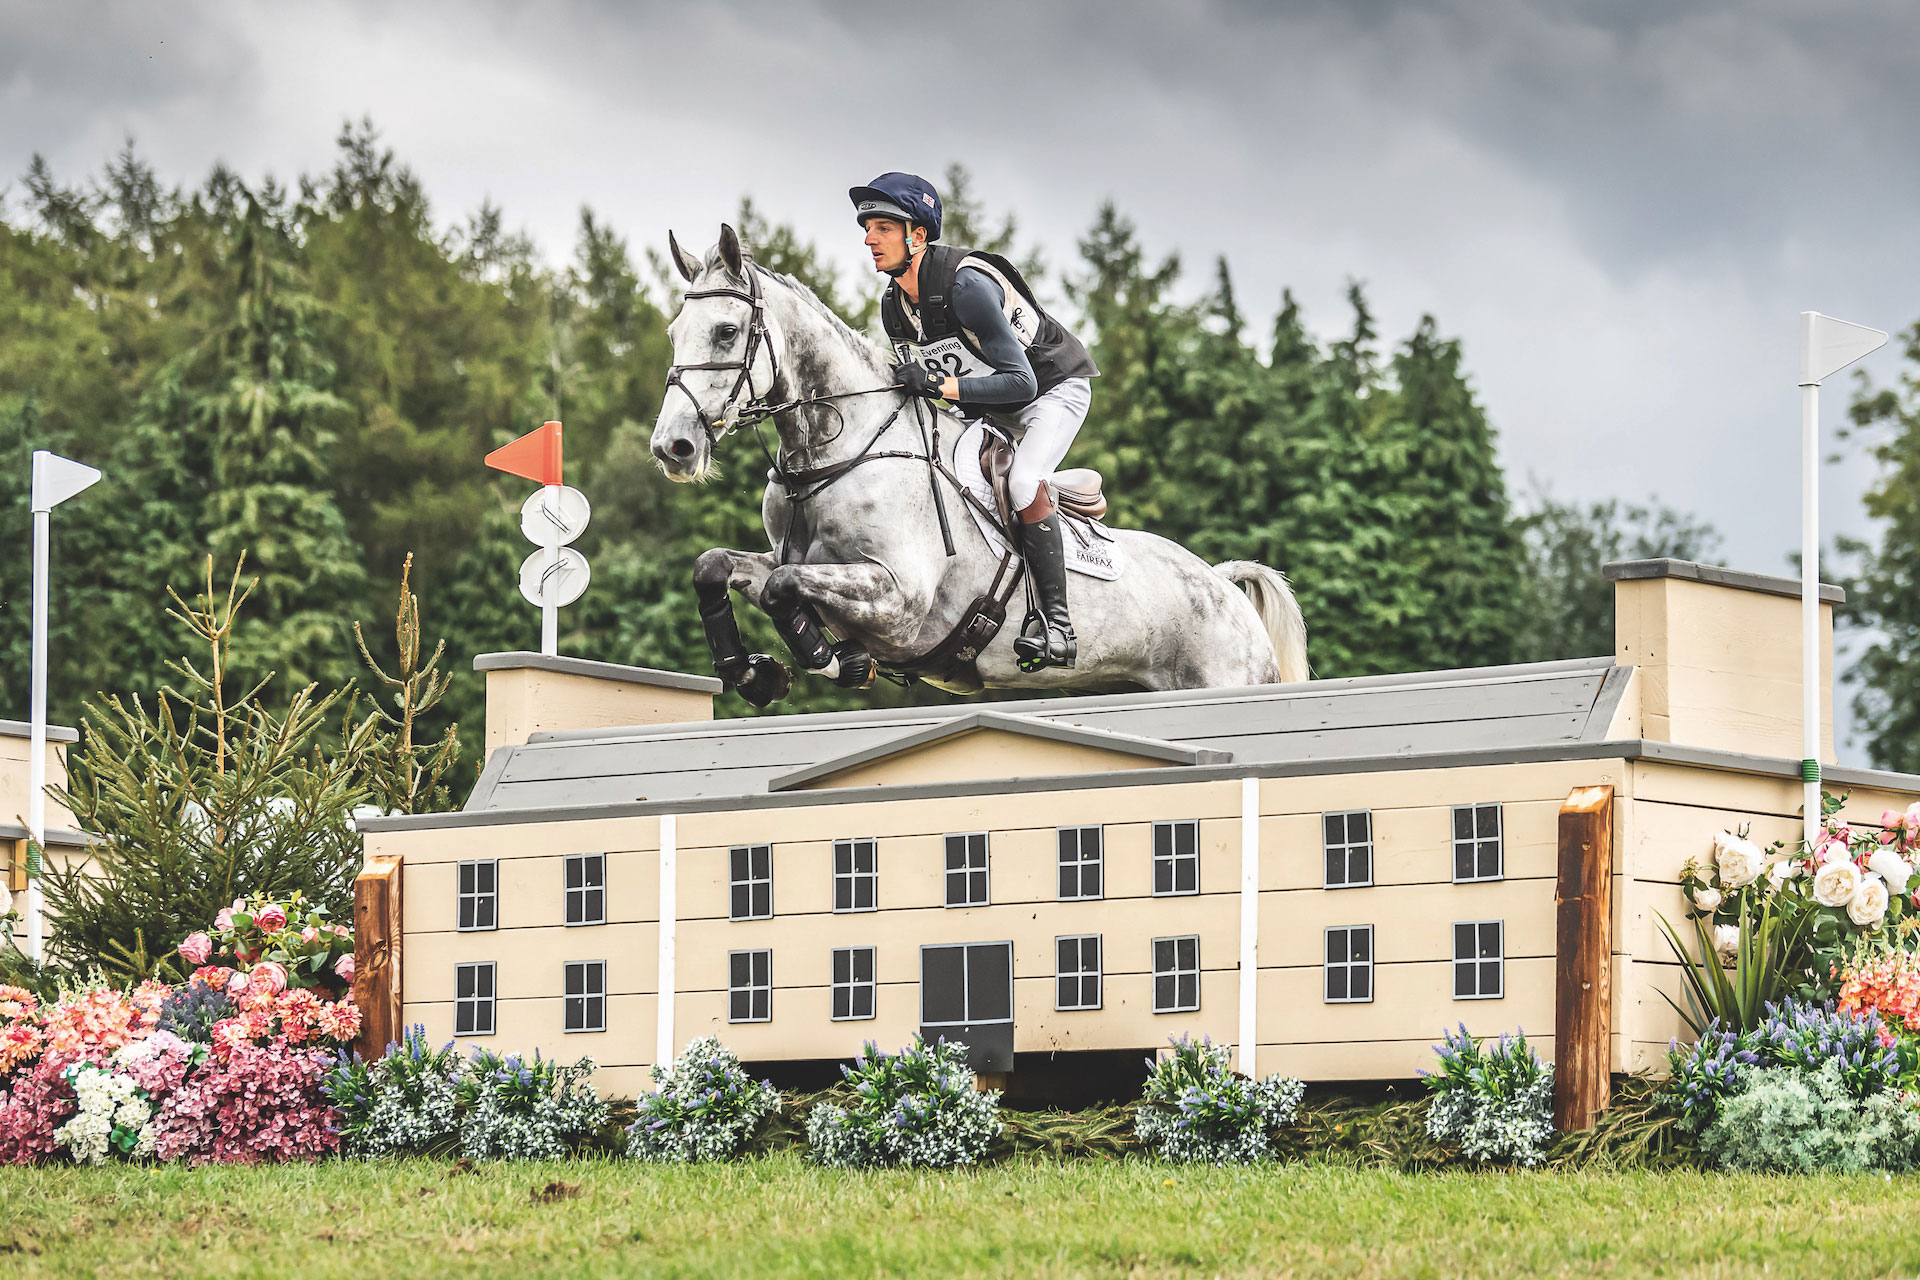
x=1531 y=707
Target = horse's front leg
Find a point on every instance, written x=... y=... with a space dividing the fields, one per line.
x=758 y=678
x=861 y=597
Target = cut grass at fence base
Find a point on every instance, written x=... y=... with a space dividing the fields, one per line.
x=1026 y=1218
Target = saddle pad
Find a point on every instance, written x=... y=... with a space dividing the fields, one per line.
x=1090 y=548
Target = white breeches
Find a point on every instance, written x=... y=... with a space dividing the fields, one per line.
x=1044 y=433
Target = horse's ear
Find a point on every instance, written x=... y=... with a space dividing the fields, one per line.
x=733 y=253
x=688 y=264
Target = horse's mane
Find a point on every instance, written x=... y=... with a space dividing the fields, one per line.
x=859 y=341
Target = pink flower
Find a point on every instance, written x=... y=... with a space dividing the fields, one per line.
x=309 y=934
x=237 y=984
x=343 y=967
x=271 y=917
x=197 y=948
x=224 y=920
x=268 y=976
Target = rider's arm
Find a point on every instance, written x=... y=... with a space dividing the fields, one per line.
x=977 y=305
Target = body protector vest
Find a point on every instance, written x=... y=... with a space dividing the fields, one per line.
x=952 y=351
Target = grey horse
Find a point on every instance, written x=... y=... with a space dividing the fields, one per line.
x=874 y=541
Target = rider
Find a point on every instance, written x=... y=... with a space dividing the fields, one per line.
x=986 y=346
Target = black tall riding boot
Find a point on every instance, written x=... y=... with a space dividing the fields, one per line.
x=1048 y=639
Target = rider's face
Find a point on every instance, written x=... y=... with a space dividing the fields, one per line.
x=888 y=242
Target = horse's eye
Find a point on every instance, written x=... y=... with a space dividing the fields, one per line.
x=727 y=332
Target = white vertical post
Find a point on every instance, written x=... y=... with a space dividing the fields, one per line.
x=549 y=611
x=1810 y=607
x=1826 y=347
x=663 y=1047
x=37 y=740
x=52 y=481
x=1249 y=921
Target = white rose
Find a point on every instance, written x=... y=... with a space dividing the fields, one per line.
x=1726 y=943
x=6 y=899
x=1835 y=884
x=1781 y=870
x=1892 y=868
x=1707 y=901
x=1833 y=851
x=1740 y=861
x=1868 y=905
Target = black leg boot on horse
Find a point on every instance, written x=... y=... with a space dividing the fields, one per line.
x=759 y=678
x=844 y=663
x=1047 y=639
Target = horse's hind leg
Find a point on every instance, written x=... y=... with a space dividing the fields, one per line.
x=758 y=678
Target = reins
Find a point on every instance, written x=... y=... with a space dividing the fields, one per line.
x=806 y=483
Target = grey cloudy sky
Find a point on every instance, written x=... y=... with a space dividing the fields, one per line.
x=1620 y=207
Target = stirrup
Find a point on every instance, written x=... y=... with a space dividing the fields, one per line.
x=1051 y=647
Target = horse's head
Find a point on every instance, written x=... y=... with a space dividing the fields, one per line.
x=724 y=356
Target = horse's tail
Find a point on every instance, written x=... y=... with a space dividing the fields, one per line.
x=1279 y=612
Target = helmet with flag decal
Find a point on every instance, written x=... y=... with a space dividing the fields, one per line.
x=905 y=196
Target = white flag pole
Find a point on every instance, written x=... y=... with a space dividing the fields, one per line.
x=1826 y=347
x=549 y=610
x=37 y=737
x=54 y=480
x=1810 y=609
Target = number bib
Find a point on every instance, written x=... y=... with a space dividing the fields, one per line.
x=951 y=358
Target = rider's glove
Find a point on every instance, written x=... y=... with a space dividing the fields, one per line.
x=916 y=379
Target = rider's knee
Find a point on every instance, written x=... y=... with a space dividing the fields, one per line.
x=713 y=569
x=1023 y=486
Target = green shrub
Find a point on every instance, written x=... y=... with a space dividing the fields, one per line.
x=1198 y=1110
x=703 y=1108
x=1492 y=1103
x=915 y=1108
x=1786 y=1120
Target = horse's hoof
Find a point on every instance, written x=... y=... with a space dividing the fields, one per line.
x=857 y=668
x=766 y=681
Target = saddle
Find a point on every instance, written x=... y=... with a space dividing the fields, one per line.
x=1076 y=491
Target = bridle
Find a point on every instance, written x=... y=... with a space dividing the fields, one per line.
x=755 y=409
x=802 y=484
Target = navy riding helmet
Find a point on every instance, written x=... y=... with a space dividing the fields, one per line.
x=905 y=196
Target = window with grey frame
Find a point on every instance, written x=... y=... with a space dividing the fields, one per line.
x=1176 y=858
x=1479 y=960
x=1176 y=974
x=473 y=988
x=585 y=996
x=1349 y=966
x=1347 y=839
x=749 y=986
x=856 y=875
x=751 y=880
x=1082 y=852
x=853 y=984
x=1077 y=971
x=479 y=890
x=586 y=875
x=1477 y=843
x=967 y=869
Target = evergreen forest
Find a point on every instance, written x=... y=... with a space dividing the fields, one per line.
x=311 y=373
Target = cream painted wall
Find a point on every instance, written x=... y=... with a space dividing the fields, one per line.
x=1664 y=813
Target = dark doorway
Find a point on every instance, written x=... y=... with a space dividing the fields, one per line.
x=966 y=994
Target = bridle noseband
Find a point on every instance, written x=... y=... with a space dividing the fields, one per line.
x=757 y=336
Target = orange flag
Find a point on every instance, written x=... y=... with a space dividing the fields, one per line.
x=535 y=455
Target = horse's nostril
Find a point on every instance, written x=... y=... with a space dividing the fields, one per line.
x=682 y=449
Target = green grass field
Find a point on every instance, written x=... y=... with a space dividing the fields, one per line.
x=1024 y=1218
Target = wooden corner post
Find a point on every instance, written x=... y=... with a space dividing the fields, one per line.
x=376 y=954
x=1583 y=960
